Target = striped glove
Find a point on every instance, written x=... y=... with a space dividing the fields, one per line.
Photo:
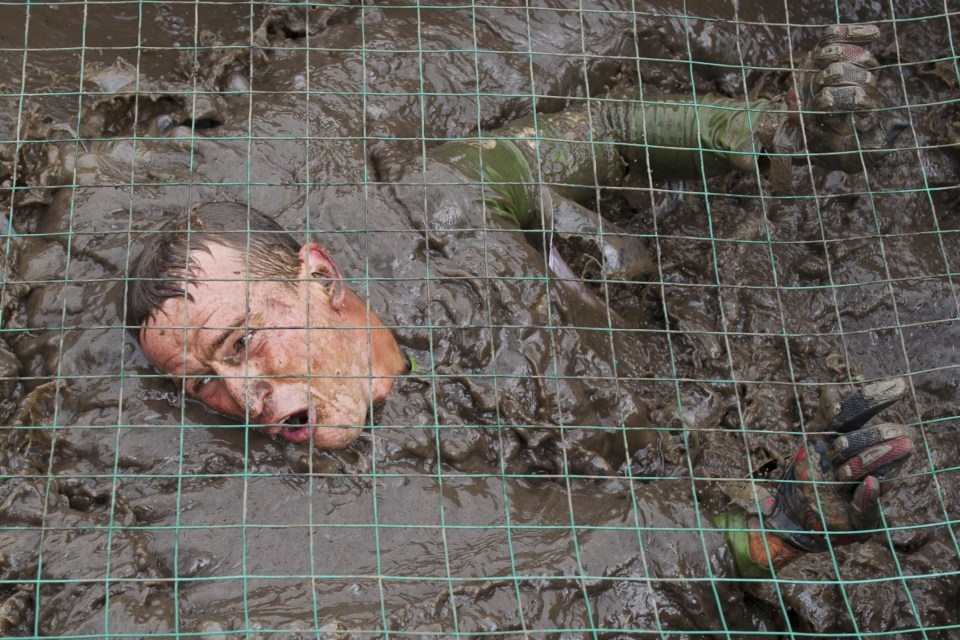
x=831 y=488
x=833 y=485
x=835 y=96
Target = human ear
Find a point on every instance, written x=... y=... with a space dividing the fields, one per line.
x=315 y=262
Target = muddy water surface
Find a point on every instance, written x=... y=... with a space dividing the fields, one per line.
x=140 y=513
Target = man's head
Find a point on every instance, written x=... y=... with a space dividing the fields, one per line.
x=258 y=328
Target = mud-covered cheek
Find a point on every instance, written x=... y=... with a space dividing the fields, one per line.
x=288 y=355
x=280 y=362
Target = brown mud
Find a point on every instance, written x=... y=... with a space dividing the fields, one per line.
x=124 y=510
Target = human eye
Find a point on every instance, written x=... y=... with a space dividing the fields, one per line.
x=198 y=385
x=243 y=342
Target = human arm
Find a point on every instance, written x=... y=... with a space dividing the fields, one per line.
x=830 y=493
x=831 y=116
x=534 y=171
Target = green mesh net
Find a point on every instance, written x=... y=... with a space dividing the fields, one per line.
x=597 y=355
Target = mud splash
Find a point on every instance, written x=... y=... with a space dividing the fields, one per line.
x=484 y=524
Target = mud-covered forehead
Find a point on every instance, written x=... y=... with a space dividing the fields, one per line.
x=168 y=260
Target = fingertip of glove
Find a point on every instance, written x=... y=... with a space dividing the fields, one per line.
x=891 y=130
x=885 y=391
x=866 y=500
x=869 y=400
x=847 y=74
x=851 y=33
x=881 y=460
x=844 y=98
x=845 y=52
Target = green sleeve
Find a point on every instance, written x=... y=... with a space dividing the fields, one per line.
x=683 y=139
x=574 y=151
x=502 y=171
x=736 y=530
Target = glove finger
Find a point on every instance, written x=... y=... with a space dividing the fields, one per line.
x=865 y=505
x=873 y=134
x=834 y=99
x=850 y=34
x=881 y=460
x=890 y=130
x=844 y=74
x=857 y=441
x=839 y=52
x=853 y=412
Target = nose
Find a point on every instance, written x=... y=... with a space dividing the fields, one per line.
x=249 y=394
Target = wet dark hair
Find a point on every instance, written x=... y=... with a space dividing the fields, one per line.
x=165 y=266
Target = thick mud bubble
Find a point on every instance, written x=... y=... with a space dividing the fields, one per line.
x=141 y=513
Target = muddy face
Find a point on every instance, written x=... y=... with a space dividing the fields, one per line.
x=754 y=301
x=288 y=357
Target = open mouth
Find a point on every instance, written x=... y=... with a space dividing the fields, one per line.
x=295 y=427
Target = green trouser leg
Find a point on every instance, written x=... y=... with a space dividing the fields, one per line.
x=576 y=150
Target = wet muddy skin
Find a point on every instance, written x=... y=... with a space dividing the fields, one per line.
x=141 y=513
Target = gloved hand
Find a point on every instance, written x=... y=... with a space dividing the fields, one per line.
x=832 y=487
x=834 y=481
x=835 y=96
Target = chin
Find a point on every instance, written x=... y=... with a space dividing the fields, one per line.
x=335 y=437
